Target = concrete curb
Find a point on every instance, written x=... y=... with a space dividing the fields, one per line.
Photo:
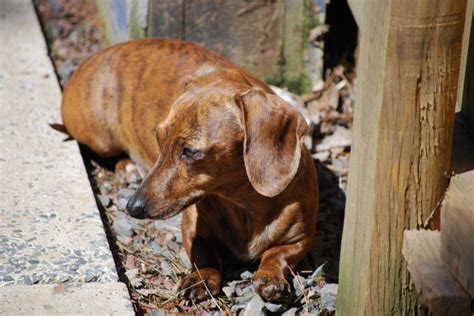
x=50 y=227
x=48 y=299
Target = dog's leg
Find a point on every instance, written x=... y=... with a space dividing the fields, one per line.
x=270 y=278
x=203 y=254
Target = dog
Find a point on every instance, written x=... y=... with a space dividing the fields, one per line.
x=217 y=144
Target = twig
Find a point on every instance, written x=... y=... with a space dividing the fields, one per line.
x=178 y=293
x=435 y=208
x=150 y=306
x=300 y=285
x=207 y=289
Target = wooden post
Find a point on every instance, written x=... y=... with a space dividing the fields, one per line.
x=268 y=38
x=404 y=113
x=248 y=33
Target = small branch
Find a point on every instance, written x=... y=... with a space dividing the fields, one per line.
x=178 y=293
x=300 y=285
x=207 y=289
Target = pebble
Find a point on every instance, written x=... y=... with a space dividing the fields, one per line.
x=35 y=279
x=6 y=279
x=255 y=307
x=125 y=193
x=275 y=308
x=132 y=277
x=166 y=268
x=104 y=200
x=318 y=273
x=24 y=279
x=246 y=275
x=328 y=295
x=63 y=278
x=299 y=284
x=229 y=291
x=155 y=247
x=48 y=215
x=122 y=227
x=121 y=204
x=184 y=258
x=90 y=277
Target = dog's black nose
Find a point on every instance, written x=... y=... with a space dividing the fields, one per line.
x=136 y=206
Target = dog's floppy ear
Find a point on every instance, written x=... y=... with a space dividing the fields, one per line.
x=272 y=144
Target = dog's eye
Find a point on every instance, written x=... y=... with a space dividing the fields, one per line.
x=188 y=153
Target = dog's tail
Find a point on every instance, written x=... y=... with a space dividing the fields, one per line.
x=61 y=128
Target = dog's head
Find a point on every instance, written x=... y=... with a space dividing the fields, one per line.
x=215 y=142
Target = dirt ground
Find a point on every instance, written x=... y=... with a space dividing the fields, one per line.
x=149 y=254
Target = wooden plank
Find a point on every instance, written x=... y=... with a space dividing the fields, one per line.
x=247 y=32
x=166 y=19
x=357 y=9
x=457 y=230
x=403 y=123
x=435 y=286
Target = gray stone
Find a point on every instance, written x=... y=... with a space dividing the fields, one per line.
x=274 y=308
x=35 y=279
x=256 y=307
x=33 y=260
x=328 y=295
x=121 y=204
x=104 y=200
x=246 y=275
x=229 y=291
x=7 y=279
x=166 y=268
x=125 y=193
x=47 y=215
x=122 y=227
x=299 y=284
x=319 y=272
x=290 y=312
x=90 y=277
x=132 y=276
x=63 y=278
x=184 y=258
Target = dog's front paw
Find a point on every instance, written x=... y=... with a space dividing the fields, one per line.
x=271 y=287
x=192 y=286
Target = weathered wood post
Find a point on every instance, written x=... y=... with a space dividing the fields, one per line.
x=404 y=113
x=268 y=38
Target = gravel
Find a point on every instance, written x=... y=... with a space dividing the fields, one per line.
x=151 y=253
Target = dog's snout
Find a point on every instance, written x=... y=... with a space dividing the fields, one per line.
x=136 y=206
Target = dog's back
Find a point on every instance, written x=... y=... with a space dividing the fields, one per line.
x=113 y=91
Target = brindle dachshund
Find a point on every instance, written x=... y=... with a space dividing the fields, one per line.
x=218 y=145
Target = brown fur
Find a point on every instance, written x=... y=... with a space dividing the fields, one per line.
x=247 y=185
